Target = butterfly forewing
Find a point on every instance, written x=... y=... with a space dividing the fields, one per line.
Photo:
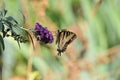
x=64 y=38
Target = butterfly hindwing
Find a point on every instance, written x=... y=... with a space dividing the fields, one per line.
x=64 y=38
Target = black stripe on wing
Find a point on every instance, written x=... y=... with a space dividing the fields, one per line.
x=64 y=38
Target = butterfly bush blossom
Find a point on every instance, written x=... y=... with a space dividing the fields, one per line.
x=43 y=34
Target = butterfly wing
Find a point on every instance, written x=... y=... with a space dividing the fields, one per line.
x=64 y=38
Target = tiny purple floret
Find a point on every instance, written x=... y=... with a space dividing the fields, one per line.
x=43 y=34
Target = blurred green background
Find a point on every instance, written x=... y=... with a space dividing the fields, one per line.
x=94 y=55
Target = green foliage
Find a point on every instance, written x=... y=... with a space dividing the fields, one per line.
x=2 y=44
x=9 y=24
x=100 y=32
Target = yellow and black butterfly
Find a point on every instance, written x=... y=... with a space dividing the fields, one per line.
x=64 y=38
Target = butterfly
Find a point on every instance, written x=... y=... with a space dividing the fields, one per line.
x=64 y=38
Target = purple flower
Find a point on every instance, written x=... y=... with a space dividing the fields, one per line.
x=43 y=34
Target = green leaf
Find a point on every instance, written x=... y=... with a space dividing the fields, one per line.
x=2 y=42
x=8 y=24
x=4 y=12
x=0 y=15
x=3 y=31
x=1 y=26
x=22 y=19
x=11 y=20
x=18 y=44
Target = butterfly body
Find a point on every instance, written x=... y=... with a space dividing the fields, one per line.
x=64 y=38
